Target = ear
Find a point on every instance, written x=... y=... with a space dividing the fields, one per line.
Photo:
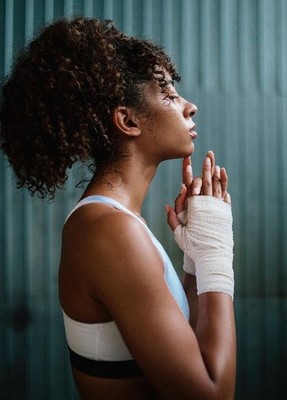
x=126 y=121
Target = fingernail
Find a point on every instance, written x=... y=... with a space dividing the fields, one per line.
x=196 y=190
x=182 y=188
x=166 y=209
x=188 y=169
x=207 y=162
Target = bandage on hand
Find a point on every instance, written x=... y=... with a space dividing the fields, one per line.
x=207 y=239
x=188 y=263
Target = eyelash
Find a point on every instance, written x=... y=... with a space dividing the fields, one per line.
x=171 y=97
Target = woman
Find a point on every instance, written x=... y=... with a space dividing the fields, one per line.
x=84 y=91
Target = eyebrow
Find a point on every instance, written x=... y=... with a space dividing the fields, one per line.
x=170 y=82
x=167 y=83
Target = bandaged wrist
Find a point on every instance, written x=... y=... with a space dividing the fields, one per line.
x=188 y=263
x=207 y=238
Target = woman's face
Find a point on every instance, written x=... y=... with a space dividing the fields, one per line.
x=169 y=127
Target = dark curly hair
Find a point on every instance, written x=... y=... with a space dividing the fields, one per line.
x=57 y=103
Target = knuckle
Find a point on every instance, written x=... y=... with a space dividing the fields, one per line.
x=206 y=184
x=217 y=192
x=197 y=180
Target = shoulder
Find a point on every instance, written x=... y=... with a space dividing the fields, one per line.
x=100 y=222
x=103 y=236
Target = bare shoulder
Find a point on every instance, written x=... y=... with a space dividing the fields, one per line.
x=105 y=236
x=95 y=221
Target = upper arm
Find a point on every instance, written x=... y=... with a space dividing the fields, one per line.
x=127 y=275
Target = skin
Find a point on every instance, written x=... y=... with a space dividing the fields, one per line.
x=180 y=360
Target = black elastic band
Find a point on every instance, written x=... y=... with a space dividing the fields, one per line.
x=105 y=369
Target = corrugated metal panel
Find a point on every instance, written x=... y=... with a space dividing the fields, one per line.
x=232 y=55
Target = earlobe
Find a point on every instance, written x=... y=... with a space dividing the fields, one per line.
x=125 y=121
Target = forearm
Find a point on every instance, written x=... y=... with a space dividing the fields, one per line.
x=215 y=332
x=189 y=285
x=212 y=319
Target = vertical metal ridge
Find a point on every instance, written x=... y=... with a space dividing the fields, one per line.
x=266 y=39
x=167 y=21
x=108 y=9
x=88 y=8
x=209 y=40
x=189 y=47
x=48 y=11
x=128 y=17
x=247 y=44
x=281 y=48
x=8 y=34
x=147 y=7
x=7 y=218
x=68 y=7
x=228 y=47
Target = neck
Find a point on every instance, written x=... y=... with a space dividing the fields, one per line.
x=127 y=183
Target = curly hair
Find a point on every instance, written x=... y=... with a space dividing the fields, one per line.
x=57 y=102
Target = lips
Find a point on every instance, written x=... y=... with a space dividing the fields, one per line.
x=192 y=132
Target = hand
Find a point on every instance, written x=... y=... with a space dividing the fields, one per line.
x=202 y=225
x=214 y=182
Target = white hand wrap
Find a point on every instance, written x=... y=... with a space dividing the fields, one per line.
x=207 y=238
x=188 y=263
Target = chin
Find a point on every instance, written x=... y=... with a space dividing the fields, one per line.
x=180 y=153
x=189 y=151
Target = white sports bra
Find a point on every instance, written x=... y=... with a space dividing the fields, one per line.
x=97 y=348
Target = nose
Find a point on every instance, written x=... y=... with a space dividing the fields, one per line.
x=190 y=110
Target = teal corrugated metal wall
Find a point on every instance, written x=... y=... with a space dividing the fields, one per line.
x=232 y=55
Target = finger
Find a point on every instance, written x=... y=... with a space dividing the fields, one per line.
x=224 y=180
x=172 y=219
x=216 y=183
x=187 y=175
x=196 y=186
x=206 y=177
x=227 y=198
x=179 y=204
x=211 y=155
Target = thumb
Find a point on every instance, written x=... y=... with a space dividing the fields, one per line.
x=172 y=219
x=179 y=204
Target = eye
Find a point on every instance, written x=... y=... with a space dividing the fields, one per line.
x=170 y=98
